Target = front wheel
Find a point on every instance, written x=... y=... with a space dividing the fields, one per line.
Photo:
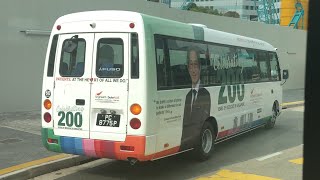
x=204 y=148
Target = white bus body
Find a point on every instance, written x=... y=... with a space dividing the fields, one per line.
x=117 y=85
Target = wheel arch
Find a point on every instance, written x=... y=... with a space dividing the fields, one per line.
x=213 y=122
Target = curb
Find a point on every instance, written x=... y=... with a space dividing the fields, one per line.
x=45 y=168
x=292 y=104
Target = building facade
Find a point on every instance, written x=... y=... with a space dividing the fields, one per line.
x=245 y=8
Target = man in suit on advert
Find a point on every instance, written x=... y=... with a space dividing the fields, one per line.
x=197 y=104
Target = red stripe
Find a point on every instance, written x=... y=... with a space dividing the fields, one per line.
x=104 y=149
x=228 y=132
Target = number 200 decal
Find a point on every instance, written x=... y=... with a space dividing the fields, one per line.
x=228 y=77
x=70 y=119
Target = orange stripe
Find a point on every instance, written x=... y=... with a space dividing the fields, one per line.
x=166 y=152
x=139 y=143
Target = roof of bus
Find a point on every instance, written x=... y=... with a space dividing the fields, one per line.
x=100 y=15
x=209 y=35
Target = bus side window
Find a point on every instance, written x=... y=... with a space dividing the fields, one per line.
x=249 y=63
x=134 y=56
x=160 y=62
x=274 y=67
x=264 y=66
x=52 y=56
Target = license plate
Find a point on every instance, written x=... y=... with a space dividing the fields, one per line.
x=111 y=120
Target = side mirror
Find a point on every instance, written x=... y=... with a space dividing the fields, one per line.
x=285 y=74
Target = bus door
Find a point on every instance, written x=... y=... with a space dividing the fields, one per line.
x=71 y=94
x=109 y=90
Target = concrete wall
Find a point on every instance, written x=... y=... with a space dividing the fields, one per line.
x=22 y=56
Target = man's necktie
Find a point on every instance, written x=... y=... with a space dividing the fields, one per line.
x=194 y=95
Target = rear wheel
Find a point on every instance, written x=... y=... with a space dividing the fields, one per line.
x=275 y=111
x=204 y=148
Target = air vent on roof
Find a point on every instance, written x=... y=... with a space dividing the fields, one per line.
x=200 y=25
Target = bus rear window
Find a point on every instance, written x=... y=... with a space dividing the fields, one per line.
x=109 y=62
x=72 y=63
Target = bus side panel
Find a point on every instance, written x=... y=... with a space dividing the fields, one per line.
x=254 y=111
x=164 y=122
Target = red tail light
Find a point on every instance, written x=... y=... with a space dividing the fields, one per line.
x=54 y=141
x=127 y=148
x=135 y=123
x=47 y=117
x=59 y=27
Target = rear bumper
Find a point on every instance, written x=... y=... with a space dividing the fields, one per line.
x=102 y=148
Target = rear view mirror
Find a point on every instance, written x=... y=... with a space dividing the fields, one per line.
x=285 y=74
x=69 y=46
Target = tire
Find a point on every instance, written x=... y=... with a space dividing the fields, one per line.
x=275 y=111
x=204 y=148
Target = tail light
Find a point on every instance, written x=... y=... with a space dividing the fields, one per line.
x=54 y=141
x=127 y=148
x=47 y=104
x=47 y=117
x=135 y=109
x=135 y=123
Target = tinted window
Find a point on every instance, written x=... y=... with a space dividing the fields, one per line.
x=274 y=66
x=134 y=56
x=172 y=62
x=161 y=65
x=264 y=66
x=109 y=61
x=218 y=64
x=72 y=63
x=52 y=56
x=248 y=60
x=223 y=66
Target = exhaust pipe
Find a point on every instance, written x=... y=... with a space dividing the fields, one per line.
x=132 y=161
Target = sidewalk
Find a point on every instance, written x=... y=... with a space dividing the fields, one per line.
x=292 y=98
x=292 y=95
x=22 y=154
x=22 y=151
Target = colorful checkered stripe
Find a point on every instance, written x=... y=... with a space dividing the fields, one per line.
x=102 y=148
x=79 y=146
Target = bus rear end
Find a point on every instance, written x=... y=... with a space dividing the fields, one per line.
x=85 y=108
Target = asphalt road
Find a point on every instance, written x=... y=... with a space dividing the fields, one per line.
x=287 y=134
x=20 y=139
